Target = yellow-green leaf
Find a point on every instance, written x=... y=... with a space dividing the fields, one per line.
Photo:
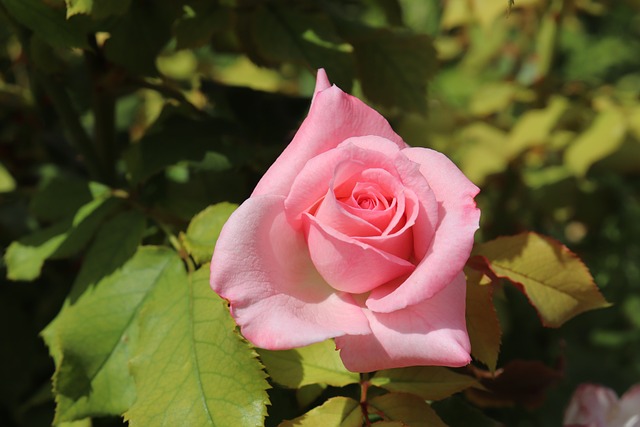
x=91 y=339
x=318 y=363
x=428 y=382
x=603 y=137
x=337 y=411
x=554 y=279
x=191 y=367
x=482 y=320
x=204 y=229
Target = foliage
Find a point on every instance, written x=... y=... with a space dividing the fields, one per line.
x=132 y=128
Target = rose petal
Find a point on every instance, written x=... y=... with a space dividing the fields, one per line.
x=329 y=168
x=348 y=265
x=451 y=244
x=628 y=414
x=334 y=116
x=275 y=293
x=432 y=332
x=590 y=405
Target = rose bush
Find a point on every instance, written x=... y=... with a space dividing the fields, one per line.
x=353 y=235
x=594 y=405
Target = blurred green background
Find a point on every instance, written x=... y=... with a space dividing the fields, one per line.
x=187 y=103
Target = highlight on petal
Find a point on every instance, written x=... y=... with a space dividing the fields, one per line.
x=452 y=241
x=334 y=116
x=275 y=293
x=432 y=332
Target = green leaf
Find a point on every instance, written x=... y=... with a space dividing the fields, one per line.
x=175 y=140
x=554 y=279
x=138 y=36
x=456 y=412
x=114 y=244
x=603 y=138
x=191 y=367
x=483 y=325
x=63 y=195
x=318 y=363
x=483 y=153
x=7 y=183
x=392 y=65
x=204 y=19
x=534 y=127
x=48 y=22
x=303 y=36
x=204 y=229
x=91 y=341
x=409 y=409
x=25 y=257
x=98 y=9
x=428 y=382
x=337 y=411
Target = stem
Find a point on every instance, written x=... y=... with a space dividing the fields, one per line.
x=364 y=387
x=104 y=106
x=177 y=245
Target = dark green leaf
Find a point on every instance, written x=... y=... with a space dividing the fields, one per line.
x=428 y=382
x=98 y=9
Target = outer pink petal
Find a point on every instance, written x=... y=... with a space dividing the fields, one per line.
x=262 y=267
x=590 y=406
x=334 y=116
x=432 y=332
x=347 y=264
x=452 y=242
x=628 y=414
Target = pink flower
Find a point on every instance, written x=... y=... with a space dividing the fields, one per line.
x=598 y=406
x=353 y=235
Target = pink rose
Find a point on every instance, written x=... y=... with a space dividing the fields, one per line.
x=353 y=235
x=597 y=406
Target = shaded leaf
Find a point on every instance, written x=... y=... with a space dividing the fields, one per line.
x=196 y=28
x=524 y=382
x=303 y=36
x=392 y=65
x=176 y=139
x=98 y=9
x=456 y=412
x=114 y=244
x=191 y=367
x=554 y=279
x=410 y=409
x=318 y=363
x=62 y=196
x=428 y=382
x=25 y=257
x=603 y=138
x=204 y=229
x=337 y=411
x=91 y=339
x=483 y=325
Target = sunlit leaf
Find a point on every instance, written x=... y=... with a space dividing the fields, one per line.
x=535 y=126
x=337 y=411
x=603 y=137
x=409 y=409
x=204 y=229
x=314 y=364
x=7 y=183
x=190 y=366
x=428 y=382
x=91 y=340
x=483 y=153
x=554 y=279
x=482 y=320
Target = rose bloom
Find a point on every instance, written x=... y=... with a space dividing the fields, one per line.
x=353 y=235
x=597 y=406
